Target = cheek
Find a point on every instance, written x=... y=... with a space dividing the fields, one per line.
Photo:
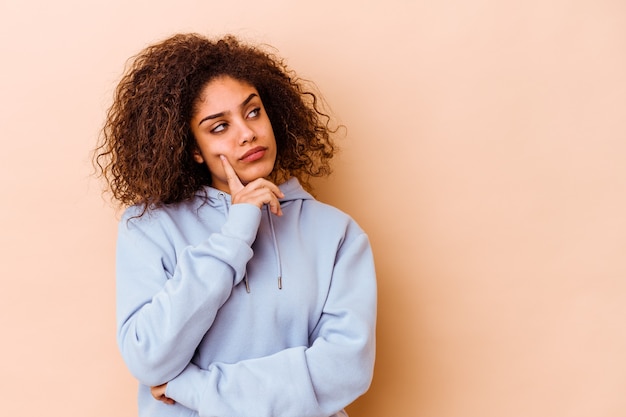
x=211 y=149
x=215 y=165
x=208 y=155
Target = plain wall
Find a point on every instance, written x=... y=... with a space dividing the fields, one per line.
x=484 y=155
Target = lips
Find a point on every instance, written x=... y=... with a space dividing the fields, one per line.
x=253 y=154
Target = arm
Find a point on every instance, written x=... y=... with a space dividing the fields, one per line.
x=163 y=314
x=312 y=381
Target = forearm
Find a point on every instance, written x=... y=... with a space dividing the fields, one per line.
x=289 y=383
x=162 y=316
x=315 y=380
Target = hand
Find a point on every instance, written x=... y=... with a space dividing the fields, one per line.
x=257 y=192
x=158 y=393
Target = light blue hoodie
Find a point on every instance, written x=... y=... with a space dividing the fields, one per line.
x=300 y=343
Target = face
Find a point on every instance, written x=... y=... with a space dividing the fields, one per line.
x=230 y=120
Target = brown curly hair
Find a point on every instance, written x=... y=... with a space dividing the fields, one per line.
x=146 y=146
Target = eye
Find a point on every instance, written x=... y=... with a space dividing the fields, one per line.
x=254 y=113
x=219 y=128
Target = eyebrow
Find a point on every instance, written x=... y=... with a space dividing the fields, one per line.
x=220 y=114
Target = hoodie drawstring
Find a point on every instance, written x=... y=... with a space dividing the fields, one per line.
x=279 y=267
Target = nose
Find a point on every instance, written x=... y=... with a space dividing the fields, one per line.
x=247 y=135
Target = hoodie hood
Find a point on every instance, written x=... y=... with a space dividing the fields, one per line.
x=290 y=188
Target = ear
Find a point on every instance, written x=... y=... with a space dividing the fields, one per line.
x=197 y=156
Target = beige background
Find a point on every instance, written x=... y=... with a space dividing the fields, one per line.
x=484 y=156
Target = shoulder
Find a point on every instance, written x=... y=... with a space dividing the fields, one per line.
x=330 y=220
x=327 y=209
x=151 y=218
x=312 y=209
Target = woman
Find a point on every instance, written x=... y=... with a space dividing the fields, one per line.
x=238 y=294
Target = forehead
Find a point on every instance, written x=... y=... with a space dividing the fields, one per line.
x=225 y=91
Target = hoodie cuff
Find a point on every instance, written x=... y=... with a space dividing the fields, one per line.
x=186 y=387
x=243 y=222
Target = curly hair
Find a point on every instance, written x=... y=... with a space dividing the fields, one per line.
x=146 y=145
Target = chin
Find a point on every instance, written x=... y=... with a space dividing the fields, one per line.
x=255 y=176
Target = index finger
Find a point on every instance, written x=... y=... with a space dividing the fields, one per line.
x=234 y=183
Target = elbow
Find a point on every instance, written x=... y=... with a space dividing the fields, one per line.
x=361 y=366
x=149 y=373
x=366 y=354
x=367 y=374
x=148 y=364
x=366 y=381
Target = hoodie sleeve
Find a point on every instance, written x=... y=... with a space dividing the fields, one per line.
x=307 y=381
x=162 y=311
